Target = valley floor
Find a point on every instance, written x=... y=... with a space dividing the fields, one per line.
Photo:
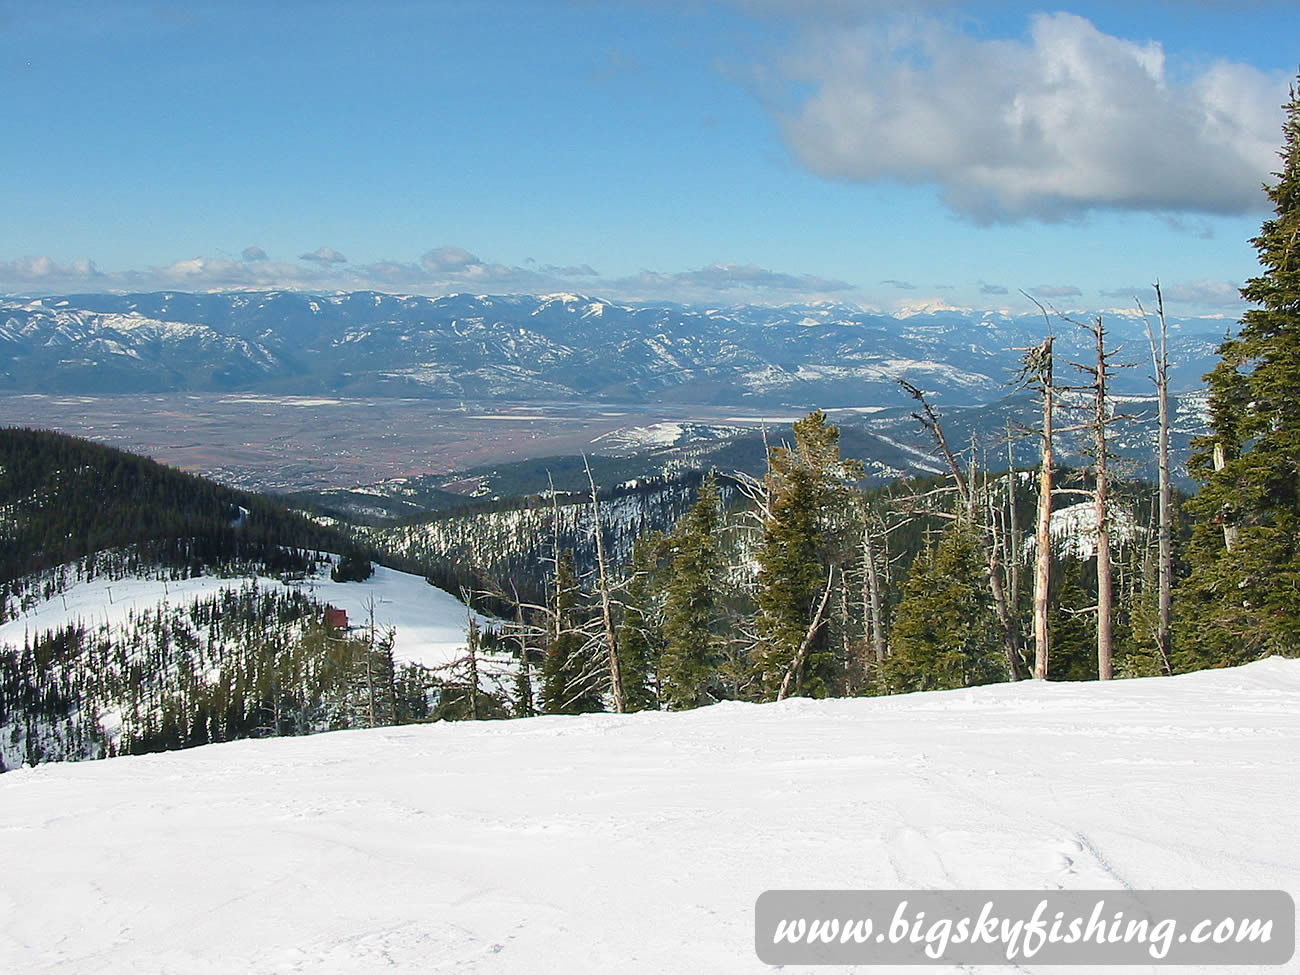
x=639 y=843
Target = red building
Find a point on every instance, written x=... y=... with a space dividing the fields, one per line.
x=336 y=618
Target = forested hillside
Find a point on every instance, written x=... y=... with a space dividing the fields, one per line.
x=189 y=612
x=509 y=546
x=63 y=498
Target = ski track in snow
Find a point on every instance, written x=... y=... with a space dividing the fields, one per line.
x=639 y=843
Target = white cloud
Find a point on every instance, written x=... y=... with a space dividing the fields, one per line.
x=1066 y=120
x=324 y=256
x=43 y=270
x=253 y=254
x=443 y=270
x=442 y=259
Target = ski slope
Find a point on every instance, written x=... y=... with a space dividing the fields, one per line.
x=430 y=624
x=638 y=843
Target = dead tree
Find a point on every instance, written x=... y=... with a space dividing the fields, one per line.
x=525 y=662
x=929 y=419
x=1164 y=496
x=607 y=617
x=1036 y=373
x=370 y=662
x=471 y=654
x=790 y=681
x=873 y=591
x=1101 y=498
x=555 y=557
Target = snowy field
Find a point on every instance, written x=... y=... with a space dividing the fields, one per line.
x=638 y=844
x=430 y=624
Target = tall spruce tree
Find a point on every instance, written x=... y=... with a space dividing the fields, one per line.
x=1241 y=600
x=640 y=634
x=807 y=489
x=691 y=641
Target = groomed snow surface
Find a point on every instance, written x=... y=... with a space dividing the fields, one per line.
x=639 y=843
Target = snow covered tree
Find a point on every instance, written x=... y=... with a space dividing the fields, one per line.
x=1240 y=600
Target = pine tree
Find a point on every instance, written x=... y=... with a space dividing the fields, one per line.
x=1242 y=598
x=945 y=633
x=640 y=638
x=691 y=641
x=807 y=488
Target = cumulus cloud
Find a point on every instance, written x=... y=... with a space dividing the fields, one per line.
x=442 y=259
x=253 y=254
x=1066 y=120
x=43 y=268
x=324 y=256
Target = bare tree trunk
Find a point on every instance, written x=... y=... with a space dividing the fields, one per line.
x=555 y=558
x=370 y=662
x=1006 y=622
x=1013 y=529
x=615 y=669
x=1043 y=554
x=472 y=648
x=525 y=665
x=873 y=600
x=1101 y=508
x=796 y=664
x=1165 y=559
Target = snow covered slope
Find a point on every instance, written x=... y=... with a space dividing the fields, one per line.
x=638 y=844
x=430 y=624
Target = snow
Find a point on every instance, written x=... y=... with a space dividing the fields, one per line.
x=283 y=400
x=1074 y=528
x=639 y=843
x=430 y=624
x=655 y=435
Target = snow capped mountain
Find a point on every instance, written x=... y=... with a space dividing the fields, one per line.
x=639 y=843
x=559 y=346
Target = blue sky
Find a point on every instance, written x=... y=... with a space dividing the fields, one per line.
x=719 y=152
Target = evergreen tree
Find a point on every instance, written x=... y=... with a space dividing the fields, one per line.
x=691 y=653
x=807 y=489
x=1071 y=619
x=945 y=634
x=640 y=636
x=1240 y=599
x=353 y=567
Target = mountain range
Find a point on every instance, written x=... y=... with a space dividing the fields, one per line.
x=544 y=348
